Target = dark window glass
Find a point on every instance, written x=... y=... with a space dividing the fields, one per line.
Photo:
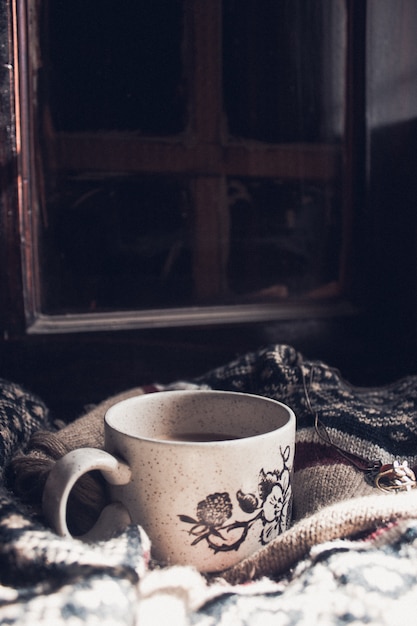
x=285 y=238
x=115 y=65
x=273 y=68
x=137 y=214
x=118 y=243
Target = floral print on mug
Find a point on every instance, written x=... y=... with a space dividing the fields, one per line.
x=270 y=508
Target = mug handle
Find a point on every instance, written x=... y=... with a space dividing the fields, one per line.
x=63 y=476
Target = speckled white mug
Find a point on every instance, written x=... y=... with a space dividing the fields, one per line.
x=207 y=474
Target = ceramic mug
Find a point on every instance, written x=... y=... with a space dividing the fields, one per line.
x=207 y=474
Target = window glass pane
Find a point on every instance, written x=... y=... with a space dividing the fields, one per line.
x=115 y=65
x=283 y=68
x=117 y=243
x=153 y=217
x=284 y=240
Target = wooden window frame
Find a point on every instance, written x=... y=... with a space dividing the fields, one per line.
x=205 y=155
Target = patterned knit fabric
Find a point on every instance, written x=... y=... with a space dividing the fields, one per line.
x=21 y=414
x=376 y=423
x=349 y=557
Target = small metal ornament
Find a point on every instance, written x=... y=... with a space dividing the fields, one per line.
x=395 y=477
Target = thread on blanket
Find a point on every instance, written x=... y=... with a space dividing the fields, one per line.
x=323 y=485
x=396 y=476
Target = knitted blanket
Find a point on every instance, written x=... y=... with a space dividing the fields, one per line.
x=350 y=555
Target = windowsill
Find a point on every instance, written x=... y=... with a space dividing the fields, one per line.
x=190 y=316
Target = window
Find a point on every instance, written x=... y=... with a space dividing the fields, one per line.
x=187 y=160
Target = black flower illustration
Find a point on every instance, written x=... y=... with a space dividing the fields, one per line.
x=267 y=482
x=271 y=507
x=212 y=515
x=215 y=509
x=275 y=508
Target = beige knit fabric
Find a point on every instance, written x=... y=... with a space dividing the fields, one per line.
x=88 y=430
x=322 y=485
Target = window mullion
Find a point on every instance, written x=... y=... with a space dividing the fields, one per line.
x=211 y=214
